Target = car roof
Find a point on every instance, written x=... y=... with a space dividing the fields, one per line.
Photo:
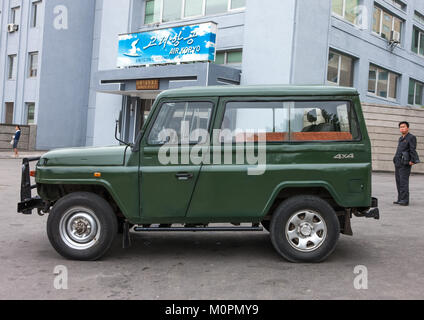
x=274 y=90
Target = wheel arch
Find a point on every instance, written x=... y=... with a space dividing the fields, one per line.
x=54 y=192
x=287 y=190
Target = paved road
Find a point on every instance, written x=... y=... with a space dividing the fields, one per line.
x=217 y=266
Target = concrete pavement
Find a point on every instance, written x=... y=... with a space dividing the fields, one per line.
x=215 y=265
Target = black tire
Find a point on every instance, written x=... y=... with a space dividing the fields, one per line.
x=320 y=247
x=103 y=227
x=267 y=225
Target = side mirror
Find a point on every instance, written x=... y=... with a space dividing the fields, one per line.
x=118 y=128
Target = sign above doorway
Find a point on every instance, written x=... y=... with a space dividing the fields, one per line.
x=147 y=84
x=193 y=43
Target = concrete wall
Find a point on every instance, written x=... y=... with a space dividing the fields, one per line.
x=27 y=141
x=366 y=47
x=382 y=122
x=22 y=89
x=65 y=74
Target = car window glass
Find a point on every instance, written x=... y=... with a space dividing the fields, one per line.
x=323 y=121
x=247 y=119
x=178 y=121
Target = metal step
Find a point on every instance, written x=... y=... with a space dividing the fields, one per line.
x=200 y=229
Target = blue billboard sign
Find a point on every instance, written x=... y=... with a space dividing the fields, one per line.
x=166 y=46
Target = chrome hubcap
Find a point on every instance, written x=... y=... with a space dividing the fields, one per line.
x=306 y=231
x=80 y=228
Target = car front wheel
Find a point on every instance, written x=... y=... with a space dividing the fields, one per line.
x=305 y=229
x=82 y=226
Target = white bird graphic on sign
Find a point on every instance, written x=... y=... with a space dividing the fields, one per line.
x=133 y=52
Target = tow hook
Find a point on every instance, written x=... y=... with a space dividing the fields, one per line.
x=370 y=213
x=373 y=213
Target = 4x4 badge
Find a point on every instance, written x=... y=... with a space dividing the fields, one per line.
x=345 y=156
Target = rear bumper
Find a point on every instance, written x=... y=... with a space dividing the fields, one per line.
x=28 y=203
x=373 y=212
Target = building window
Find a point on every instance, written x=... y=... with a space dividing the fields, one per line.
x=12 y=67
x=229 y=57
x=382 y=83
x=416 y=92
x=14 y=15
x=216 y=6
x=398 y=4
x=30 y=107
x=193 y=8
x=35 y=14
x=384 y=23
x=153 y=8
x=340 y=69
x=419 y=17
x=418 y=41
x=33 y=64
x=9 y=112
x=158 y=11
x=347 y=9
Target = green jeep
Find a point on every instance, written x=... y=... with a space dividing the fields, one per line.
x=295 y=160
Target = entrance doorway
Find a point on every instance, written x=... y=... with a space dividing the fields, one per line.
x=134 y=114
x=9 y=113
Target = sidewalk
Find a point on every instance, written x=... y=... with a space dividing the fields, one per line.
x=23 y=154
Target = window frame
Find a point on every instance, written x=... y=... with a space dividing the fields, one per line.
x=419 y=17
x=225 y=52
x=400 y=5
x=11 y=67
x=153 y=120
x=31 y=56
x=374 y=94
x=13 y=15
x=34 y=14
x=380 y=33
x=184 y=17
x=339 y=67
x=420 y=33
x=343 y=17
x=224 y=101
x=416 y=82
x=27 y=107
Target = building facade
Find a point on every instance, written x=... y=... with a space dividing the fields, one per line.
x=376 y=46
x=45 y=58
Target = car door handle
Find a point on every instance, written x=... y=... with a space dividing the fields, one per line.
x=184 y=176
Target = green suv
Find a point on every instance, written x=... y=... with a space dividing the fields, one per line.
x=294 y=160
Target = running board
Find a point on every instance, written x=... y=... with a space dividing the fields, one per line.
x=199 y=229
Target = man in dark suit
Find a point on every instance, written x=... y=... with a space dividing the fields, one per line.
x=406 y=157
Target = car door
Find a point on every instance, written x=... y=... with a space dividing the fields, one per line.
x=232 y=191
x=167 y=174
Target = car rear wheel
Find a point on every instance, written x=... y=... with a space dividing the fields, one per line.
x=82 y=226
x=305 y=229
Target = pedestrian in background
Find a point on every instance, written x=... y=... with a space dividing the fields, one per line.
x=16 y=139
x=406 y=157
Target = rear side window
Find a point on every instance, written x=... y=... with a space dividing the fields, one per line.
x=246 y=119
x=178 y=120
x=291 y=121
x=323 y=121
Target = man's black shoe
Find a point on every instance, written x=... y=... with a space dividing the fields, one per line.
x=396 y=202
x=404 y=204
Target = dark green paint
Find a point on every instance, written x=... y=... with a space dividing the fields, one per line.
x=148 y=192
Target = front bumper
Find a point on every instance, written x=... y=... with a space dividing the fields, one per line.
x=29 y=203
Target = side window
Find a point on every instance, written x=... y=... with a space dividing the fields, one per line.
x=178 y=122
x=323 y=121
x=246 y=120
